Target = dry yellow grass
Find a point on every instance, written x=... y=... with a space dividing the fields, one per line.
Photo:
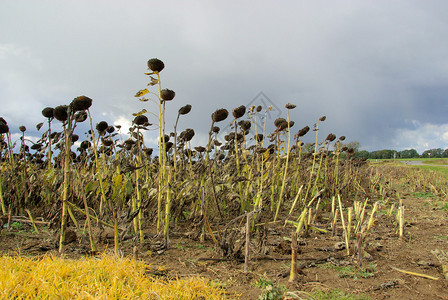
x=51 y=277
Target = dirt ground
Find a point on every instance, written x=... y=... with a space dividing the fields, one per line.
x=323 y=262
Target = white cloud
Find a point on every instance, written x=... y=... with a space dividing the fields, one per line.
x=423 y=137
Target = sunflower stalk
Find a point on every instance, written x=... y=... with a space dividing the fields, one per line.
x=2 y=200
x=346 y=233
x=294 y=250
x=280 y=197
x=65 y=183
x=98 y=166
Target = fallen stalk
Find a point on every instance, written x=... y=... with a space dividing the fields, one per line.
x=95 y=218
x=415 y=274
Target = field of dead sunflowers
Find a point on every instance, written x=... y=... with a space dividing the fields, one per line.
x=243 y=210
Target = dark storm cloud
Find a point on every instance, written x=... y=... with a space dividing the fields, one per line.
x=431 y=104
x=377 y=69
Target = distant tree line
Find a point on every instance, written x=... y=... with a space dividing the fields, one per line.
x=408 y=153
x=384 y=154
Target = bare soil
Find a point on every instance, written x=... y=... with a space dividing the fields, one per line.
x=323 y=264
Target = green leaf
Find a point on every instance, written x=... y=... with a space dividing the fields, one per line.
x=118 y=180
x=91 y=186
x=129 y=188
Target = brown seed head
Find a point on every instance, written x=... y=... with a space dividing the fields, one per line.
x=323 y=118
x=331 y=137
x=155 y=65
x=187 y=134
x=239 y=111
x=199 y=149
x=129 y=142
x=141 y=120
x=36 y=147
x=107 y=142
x=167 y=95
x=47 y=112
x=245 y=125
x=282 y=126
x=80 y=116
x=22 y=128
x=303 y=131
x=102 y=126
x=290 y=106
x=3 y=128
x=220 y=115
x=278 y=122
x=185 y=109
x=81 y=103
x=61 y=113
x=148 y=151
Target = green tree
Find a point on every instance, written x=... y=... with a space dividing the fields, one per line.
x=432 y=153
x=363 y=154
x=383 y=154
x=408 y=153
x=445 y=153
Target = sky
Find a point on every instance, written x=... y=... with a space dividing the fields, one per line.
x=378 y=70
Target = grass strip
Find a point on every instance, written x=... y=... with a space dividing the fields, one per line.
x=108 y=277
